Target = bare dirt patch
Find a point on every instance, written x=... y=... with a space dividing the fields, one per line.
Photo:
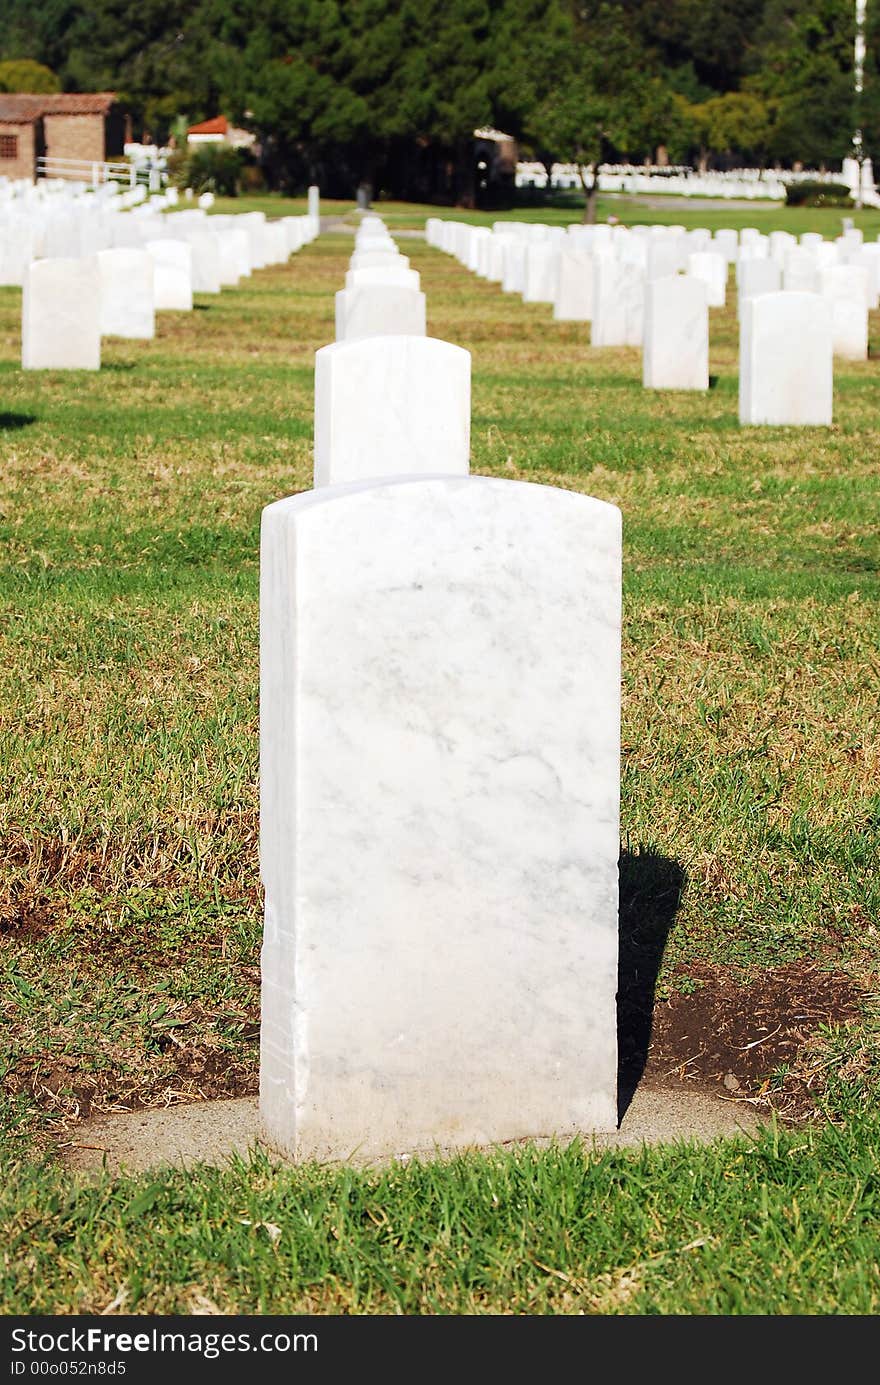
x=730 y=1034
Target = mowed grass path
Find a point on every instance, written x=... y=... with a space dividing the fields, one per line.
x=129 y=904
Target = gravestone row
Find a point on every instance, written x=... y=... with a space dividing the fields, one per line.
x=439 y=692
x=120 y=270
x=652 y=287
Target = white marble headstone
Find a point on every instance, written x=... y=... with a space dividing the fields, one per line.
x=391 y=406
x=127 y=304
x=439 y=762
x=383 y=274
x=785 y=359
x=61 y=315
x=574 y=288
x=541 y=273
x=513 y=278
x=846 y=288
x=801 y=270
x=757 y=276
x=618 y=303
x=172 y=282
x=676 y=348
x=205 y=247
x=711 y=268
x=378 y=310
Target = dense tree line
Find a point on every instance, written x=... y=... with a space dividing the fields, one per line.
x=390 y=91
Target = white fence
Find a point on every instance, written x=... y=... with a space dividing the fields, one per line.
x=95 y=172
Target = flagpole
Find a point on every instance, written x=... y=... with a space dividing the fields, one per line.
x=859 y=82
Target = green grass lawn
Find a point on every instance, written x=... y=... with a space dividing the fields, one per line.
x=130 y=909
x=562 y=209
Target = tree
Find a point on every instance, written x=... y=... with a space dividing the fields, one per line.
x=804 y=74
x=605 y=100
x=23 y=74
x=739 y=122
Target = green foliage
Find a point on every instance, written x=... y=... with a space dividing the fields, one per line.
x=813 y=194
x=211 y=168
x=23 y=74
x=737 y=122
x=390 y=91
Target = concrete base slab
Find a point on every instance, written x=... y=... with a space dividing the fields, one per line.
x=211 y=1132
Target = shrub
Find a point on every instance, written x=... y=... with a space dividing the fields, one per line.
x=212 y=168
x=812 y=194
x=252 y=179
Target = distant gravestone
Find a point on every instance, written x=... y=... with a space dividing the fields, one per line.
x=227 y=260
x=294 y=230
x=495 y=265
x=868 y=258
x=618 y=303
x=676 y=347
x=845 y=287
x=314 y=200
x=383 y=274
x=439 y=780
x=16 y=253
x=726 y=243
x=780 y=244
x=205 y=246
x=574 y=289
x=378 y=259
x=785 y=359
x=274 y=248
x=711 y=268
x=379 y=310
x=801 y=271
x=513 y=279
x=663 y=258
x=390 y=406
x=757 y=276
x=172 y=281
x=541 y=273
x=127 y=304
x=61 y=315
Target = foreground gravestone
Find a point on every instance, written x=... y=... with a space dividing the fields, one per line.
x=785 y=359
x=61 y=315
x=388 y=406
x=378 y=310
x=676 y=347
x=127 y=308
x=439 y=742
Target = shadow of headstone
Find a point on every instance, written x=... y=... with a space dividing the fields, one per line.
x=651 y=890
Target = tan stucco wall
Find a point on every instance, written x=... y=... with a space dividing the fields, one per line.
x=74 y=136
x=25 y=165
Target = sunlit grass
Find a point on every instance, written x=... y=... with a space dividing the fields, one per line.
x=130 y=910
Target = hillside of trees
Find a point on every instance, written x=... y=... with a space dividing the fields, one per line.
x=390 y=91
